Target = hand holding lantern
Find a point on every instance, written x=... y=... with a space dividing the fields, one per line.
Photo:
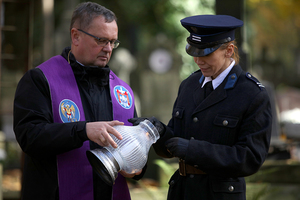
x=131 y=154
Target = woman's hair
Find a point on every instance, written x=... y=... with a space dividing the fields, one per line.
x=235 y=54
x=85 y=13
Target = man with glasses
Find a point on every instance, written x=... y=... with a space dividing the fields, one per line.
x=68 y=105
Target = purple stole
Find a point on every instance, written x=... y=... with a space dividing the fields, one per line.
x=74 y=171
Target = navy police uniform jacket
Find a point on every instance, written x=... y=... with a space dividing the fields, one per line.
x=229 y=134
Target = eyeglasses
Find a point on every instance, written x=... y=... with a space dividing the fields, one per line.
x=102 y=42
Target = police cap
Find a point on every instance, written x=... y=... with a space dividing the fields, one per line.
x=209 y=32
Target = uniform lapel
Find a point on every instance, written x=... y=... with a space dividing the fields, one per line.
x=218 y=94
x=198 y=95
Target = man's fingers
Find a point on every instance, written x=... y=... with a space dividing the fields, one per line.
x=101 y=138
x=104 y=139
x=114 y=132
x=108 y=140
x=111 y=141
x=102 y=132
x=115 y=123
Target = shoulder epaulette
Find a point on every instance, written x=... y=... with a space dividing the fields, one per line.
x=252 y=78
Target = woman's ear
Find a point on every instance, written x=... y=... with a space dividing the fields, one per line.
x=229 y=50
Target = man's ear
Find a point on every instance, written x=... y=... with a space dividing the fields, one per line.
x=75 y=36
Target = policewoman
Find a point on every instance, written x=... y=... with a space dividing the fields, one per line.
x=221 y=119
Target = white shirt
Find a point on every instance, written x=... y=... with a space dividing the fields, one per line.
x=217 y=81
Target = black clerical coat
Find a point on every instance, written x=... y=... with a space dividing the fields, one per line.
x=42 y=140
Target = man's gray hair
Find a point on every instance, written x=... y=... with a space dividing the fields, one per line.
x=85 y=13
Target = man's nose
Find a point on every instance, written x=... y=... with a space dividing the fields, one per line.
x=108 y=47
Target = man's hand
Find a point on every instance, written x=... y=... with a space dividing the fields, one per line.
x=177 y=146
x=98 y=132
x=125 y=174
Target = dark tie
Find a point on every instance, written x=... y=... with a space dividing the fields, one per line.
x=208 y=88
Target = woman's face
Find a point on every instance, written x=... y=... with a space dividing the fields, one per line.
x=215 y=63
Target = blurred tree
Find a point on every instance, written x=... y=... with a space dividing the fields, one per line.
x=273 y=32
x=143 y=22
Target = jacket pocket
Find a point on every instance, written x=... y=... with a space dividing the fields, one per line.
x=225 y=129
x=229 y=189
x=228 y=186
x=178 y=121
x=226 y=121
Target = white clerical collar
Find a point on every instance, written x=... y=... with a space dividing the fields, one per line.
x=217 y=81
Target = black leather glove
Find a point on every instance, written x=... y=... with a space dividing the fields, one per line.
x=177 y=146
x=136 y=121
x=158 y=125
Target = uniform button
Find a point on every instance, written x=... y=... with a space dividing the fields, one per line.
x=172 y=182
x=232 y=77
x=249 y=75
x=192 y=176
x=225 y=122
x=231 y=188
x=192 y=138
x=195 y=119
x=177 y=113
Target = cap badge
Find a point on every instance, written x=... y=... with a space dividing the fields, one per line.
x=196 y=38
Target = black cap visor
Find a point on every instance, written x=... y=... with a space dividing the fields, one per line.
x=197 y=52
